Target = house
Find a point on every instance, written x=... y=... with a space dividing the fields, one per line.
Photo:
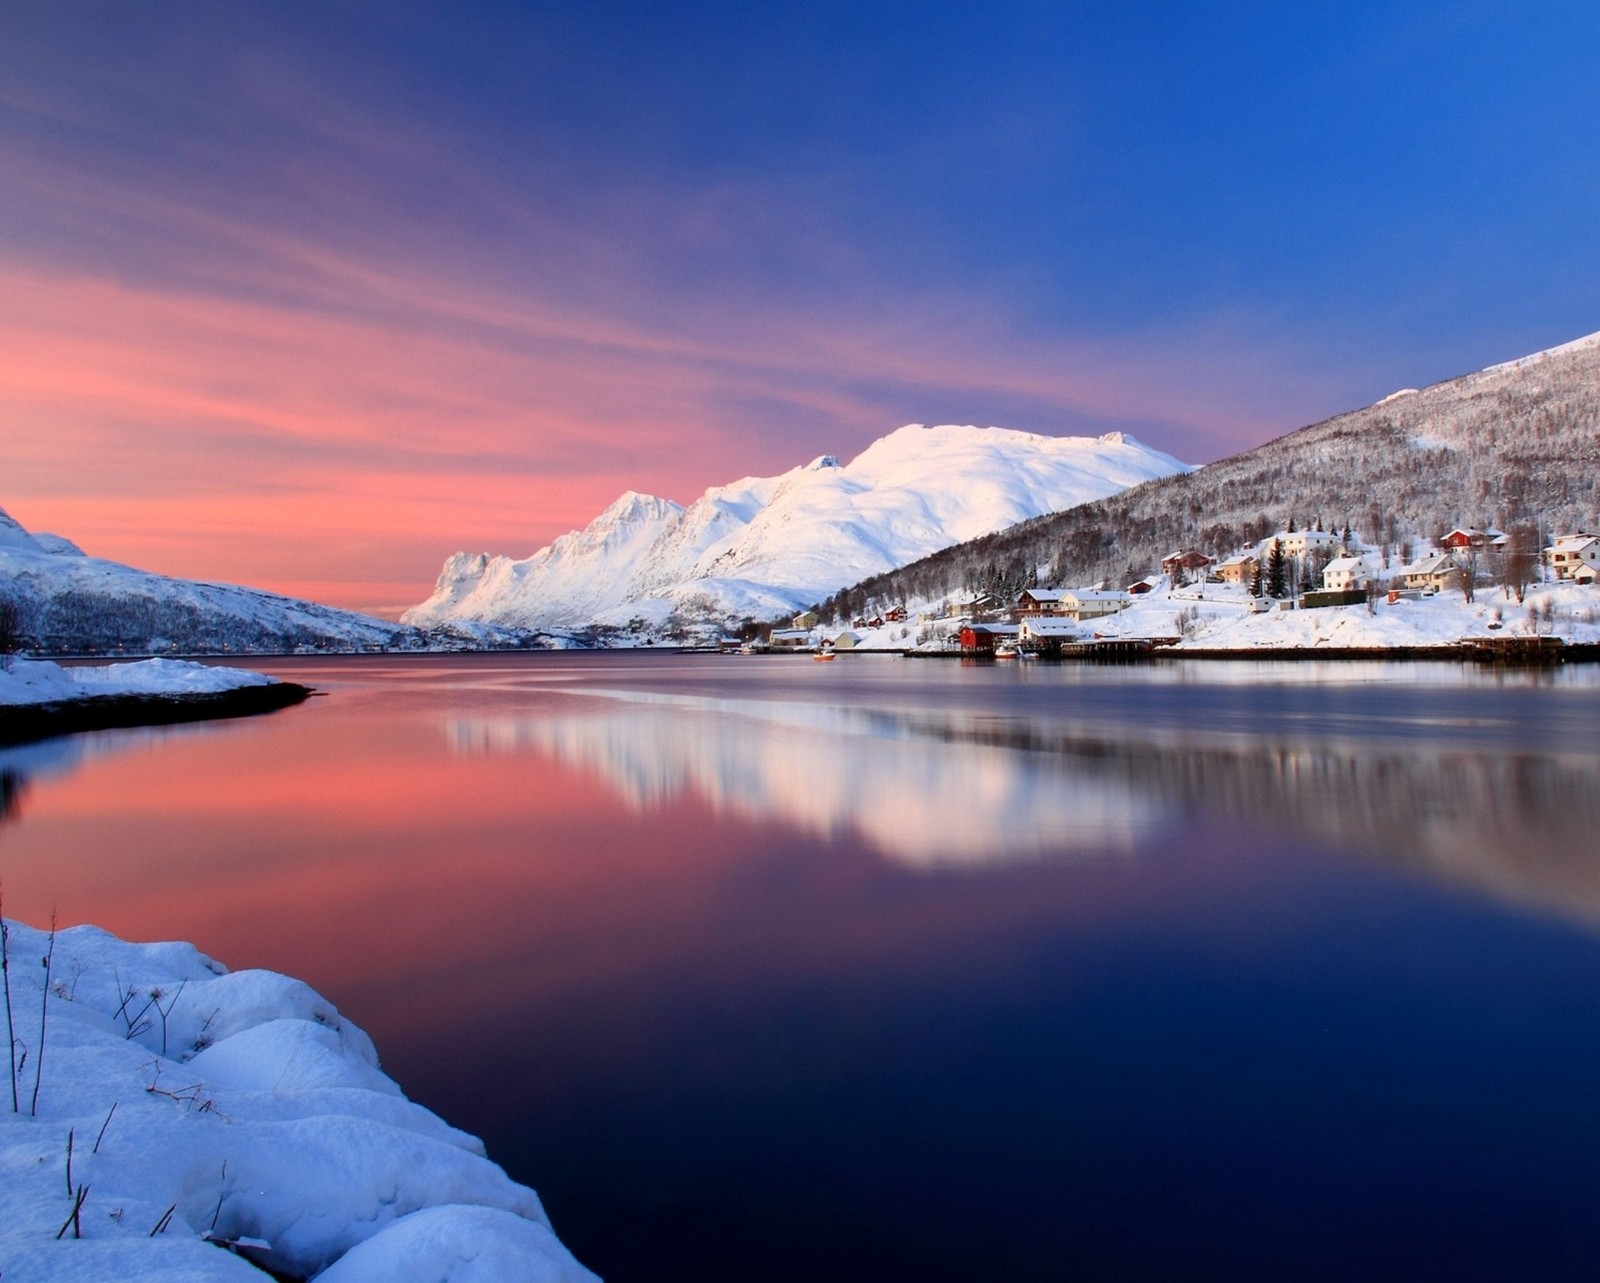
x=1185 y=559
x=1046 y=632
x=1092 y=603
x=790 y=639
x=1299 y=543
x=1238 y=570
x=1432 y=573
x=806 y=619
x=1466 y=538
x=980 y=639
x=895 y=615
x=1569 y=552
x=1139 y=588
x=846 y=640
x=1585 y=574
x=1345 y=574
x=1039 y=601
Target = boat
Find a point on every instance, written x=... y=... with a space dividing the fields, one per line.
x=1005 y=650
x=824 y=655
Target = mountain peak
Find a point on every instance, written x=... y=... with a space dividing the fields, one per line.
x=765 y=546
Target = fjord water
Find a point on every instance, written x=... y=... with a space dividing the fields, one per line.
x=759 y=969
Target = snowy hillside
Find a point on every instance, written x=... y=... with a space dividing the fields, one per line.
x=1512 y=446
x=766 y=545
x=72 y=603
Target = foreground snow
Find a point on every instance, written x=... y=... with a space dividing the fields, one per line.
x=39 y=681
x=200 y=1120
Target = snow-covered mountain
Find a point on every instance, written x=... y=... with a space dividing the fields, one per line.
x=70 y=602
x=766 y=545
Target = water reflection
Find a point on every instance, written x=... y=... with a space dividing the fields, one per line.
x=929 y=788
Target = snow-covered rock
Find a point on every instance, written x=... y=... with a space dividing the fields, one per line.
x=38 y=681
x=766 y=545
x=200 y=1119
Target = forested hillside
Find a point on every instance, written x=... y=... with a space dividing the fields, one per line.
x=1516 y=445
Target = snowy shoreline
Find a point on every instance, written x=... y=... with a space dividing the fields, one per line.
x=40 y=699
x=166 y=1118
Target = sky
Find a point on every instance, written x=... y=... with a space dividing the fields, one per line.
x=310 y=295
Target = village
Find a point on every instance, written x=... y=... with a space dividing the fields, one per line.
x=1481 y=589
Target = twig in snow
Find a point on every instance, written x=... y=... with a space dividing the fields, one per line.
x=44 y=1011
x=166 y=1220
x=72 y=1220
x=70 y=1131
x=103 y=1127
x=11 y=1028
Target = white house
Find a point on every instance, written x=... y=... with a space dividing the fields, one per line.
x=1047 y=628
x=1345 y=574
x=1297 y=543
x=790 y=639
x=1433 y=573
x=1569 y=552
x=1092 y=603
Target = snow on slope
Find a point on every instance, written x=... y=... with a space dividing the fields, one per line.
x=765 y=545
x=72 y=602
x=189 y=1114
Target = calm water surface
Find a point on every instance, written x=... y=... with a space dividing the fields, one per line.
x=876 y=970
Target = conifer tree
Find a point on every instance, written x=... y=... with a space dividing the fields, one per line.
x=1276 y=582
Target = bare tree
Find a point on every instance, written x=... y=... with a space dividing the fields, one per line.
x=10 y=631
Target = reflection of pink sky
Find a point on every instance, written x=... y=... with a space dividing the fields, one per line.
x=415 y=886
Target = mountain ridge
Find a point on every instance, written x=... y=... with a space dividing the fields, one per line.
x=761 y=546
x=1516 y=444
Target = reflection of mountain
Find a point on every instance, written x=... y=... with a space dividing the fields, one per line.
x=918 y=799
x=970 y=787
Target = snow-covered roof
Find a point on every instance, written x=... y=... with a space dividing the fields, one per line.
x=1572 y=543
x=1350 y=565
x=1435 y=563
x=1093 y=594
x=1050 y=626
x=1043 y=594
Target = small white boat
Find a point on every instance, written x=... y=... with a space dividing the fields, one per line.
x=823 y=656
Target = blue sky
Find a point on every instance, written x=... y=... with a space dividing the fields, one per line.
x=411 y=278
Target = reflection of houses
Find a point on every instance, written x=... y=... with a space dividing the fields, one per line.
x=1433 y=573
x=1345 y=574
x=1569 y=553
x=1237 y=570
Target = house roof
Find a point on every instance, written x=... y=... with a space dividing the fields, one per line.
x=1093 y=594
x=1043 y=594
x=1435 y=564
x=1351 y=564
x=1050 y=626
x=1572 y=543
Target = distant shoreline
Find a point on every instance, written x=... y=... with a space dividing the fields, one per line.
x=26 y=723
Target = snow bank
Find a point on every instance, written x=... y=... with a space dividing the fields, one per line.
x=200 y=1120
x=39 y=681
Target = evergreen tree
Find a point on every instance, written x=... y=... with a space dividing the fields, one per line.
x=1255 y=581
x=1276 y=580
